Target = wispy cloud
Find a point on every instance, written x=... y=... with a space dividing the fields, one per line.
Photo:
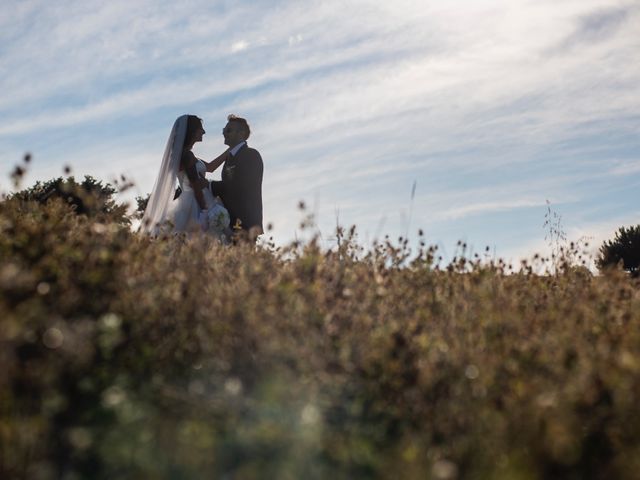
x=476 y=208
x=239 y=46
x=626 y=167
x=598 y=25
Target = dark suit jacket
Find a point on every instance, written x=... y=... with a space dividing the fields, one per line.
x=241 y=188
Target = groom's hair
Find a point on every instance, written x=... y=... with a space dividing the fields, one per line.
x=244 y=126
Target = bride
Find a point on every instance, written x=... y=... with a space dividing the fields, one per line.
x=195 y=208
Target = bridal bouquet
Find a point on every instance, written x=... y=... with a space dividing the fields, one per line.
x=216 y=220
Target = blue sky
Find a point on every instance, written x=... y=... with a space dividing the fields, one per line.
x=492 y=107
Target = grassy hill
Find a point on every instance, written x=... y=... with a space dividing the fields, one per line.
x=125 y=357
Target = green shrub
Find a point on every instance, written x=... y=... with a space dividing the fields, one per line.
x=90 y=197
x=624 y=249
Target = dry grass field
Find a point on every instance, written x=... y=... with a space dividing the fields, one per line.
x=125 y=357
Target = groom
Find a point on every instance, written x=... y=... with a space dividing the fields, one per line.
x=241 y=186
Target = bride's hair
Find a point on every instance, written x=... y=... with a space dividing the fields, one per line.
x=193 y=124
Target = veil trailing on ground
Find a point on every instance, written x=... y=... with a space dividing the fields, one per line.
x=158 y=206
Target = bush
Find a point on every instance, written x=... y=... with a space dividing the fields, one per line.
x=623 y=249
x=90 y=197
x=125 y=357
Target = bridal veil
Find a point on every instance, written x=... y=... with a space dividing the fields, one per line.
x=158 y=206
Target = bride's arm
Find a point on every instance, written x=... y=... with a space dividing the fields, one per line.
x=189 y=165
x=216 y=162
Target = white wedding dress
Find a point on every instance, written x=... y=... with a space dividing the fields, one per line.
x=163 y=214
x=185 y=214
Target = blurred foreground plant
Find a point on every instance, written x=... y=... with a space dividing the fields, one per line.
x=125 y=357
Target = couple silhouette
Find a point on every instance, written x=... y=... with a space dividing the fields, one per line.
x=229 y=209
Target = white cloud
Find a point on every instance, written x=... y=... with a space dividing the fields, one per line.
x=626 y=167
x=239 y=46
x=476 y=208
